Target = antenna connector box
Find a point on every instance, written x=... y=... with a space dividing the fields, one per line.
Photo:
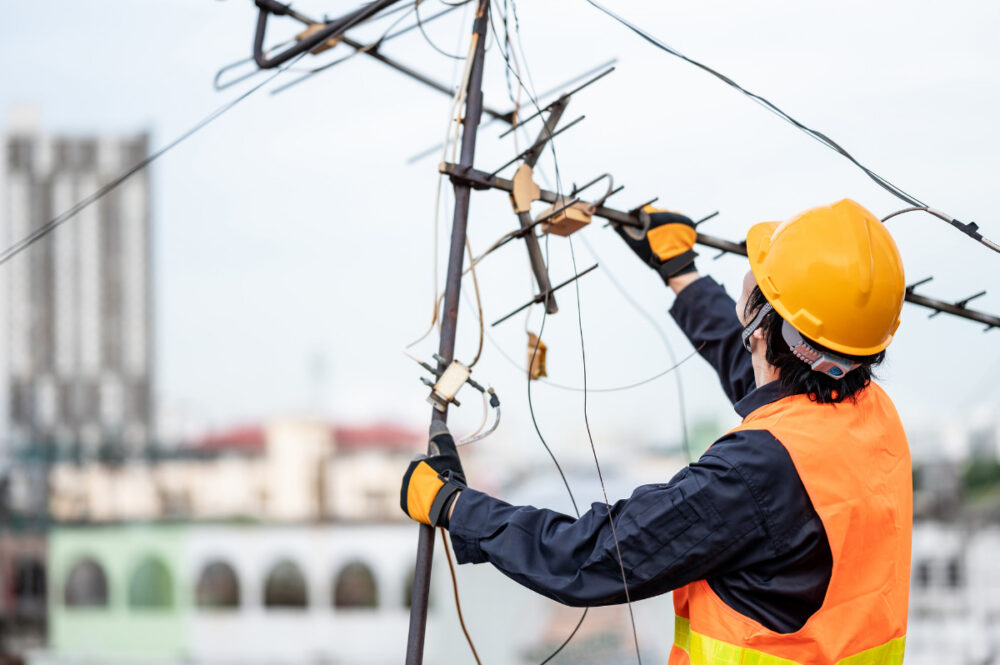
x=448 y=384
x=567 y=221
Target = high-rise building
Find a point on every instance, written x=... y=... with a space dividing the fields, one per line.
x=75 y=336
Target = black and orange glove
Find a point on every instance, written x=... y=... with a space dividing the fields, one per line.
x=668 y=245
x=431 y=483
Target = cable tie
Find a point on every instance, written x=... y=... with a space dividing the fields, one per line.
x=479 y=27
x=971 y=229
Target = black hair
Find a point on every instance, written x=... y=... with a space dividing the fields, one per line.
x=796 y=377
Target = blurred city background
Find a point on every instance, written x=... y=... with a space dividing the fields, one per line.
x=204 y=407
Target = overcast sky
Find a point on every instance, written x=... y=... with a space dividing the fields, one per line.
x=293 y=242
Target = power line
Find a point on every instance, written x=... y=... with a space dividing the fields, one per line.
x=538 y=341
x=970 y=229
x=57 y=221
x=610 y=389
x=583 y=352
x=681 y=407
x=427 y=38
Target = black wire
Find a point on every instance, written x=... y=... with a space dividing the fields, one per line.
x=531 y=408
x=562 y=474
x=531 y=405
x=60 y=219
x=969 y=229
x=372 y=46
x=666 y=342
x=583 y=352
x=534 y=353
x=506 y=55
x=567 y=640
x=614 y=389
x=538 y=431
x=427 y=38
x=590 y=435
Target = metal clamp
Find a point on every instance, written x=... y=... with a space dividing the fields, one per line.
x=448 y=383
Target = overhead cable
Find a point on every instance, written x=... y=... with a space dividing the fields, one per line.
x=681 y=407
x=531 y=406
x=608 y=389
x=372 y=48
x=427 y=38
x=970 y=229
x=58 y=220
x=600 y=476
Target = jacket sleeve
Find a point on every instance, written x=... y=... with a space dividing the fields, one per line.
x=706 y=521
x=707 y=315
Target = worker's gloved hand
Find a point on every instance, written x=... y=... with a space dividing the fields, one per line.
x=431 y=483
x=668 y=246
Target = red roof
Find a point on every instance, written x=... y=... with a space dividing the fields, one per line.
x=248 y=439
x=380 y=436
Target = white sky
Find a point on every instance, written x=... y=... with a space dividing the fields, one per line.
x=292 y=229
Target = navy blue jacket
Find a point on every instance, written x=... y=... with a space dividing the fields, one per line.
x=739 y=517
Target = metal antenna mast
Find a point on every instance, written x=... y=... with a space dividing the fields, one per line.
x=449 y=316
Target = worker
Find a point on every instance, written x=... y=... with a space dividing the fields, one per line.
x=788 y=541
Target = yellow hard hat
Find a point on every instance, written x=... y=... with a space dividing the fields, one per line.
x=834 y=273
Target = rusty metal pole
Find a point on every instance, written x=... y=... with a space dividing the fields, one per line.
x=449 y=317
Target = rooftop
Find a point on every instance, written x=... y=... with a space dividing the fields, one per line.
x=251 y=439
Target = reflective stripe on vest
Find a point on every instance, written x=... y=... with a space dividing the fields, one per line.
x=854 y=463
x=701 y=650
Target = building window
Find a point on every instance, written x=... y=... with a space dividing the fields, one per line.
x=151 y=585
x=355 y=587
x=88 y=155
x=218 y=586
x=29 y=587
x=86 y=585
x=408 y=591
x=954 y=575
x=285 y=586
x=923 y=574
x=19 y=153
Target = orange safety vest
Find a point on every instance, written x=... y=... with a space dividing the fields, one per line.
x=854 y=462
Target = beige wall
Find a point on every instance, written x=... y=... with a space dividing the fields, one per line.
x=294 y=469
x=298 y=478
x=364 y=486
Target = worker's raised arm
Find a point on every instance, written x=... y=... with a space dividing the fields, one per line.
x=702 y=309
x=707 y=315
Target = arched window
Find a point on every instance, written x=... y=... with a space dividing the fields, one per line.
x=218 y=586
x=151 y=586
x=923 y=574
x=355 y=586
x=408 y=591
x=285 y=586
x=86 y=585
x=955 y=574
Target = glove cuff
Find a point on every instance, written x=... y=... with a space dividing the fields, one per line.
x=678 y=265
x=438 y=514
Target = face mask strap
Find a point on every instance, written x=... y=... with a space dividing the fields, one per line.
x=831 y=364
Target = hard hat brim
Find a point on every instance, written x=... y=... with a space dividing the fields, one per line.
x=758 y=243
